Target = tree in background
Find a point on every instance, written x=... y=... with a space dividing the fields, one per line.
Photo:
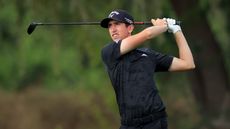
x=70 y=57
x=210 y=80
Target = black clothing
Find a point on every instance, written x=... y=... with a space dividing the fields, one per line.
x=158 y=124
x=132 y=75
x=145 y=119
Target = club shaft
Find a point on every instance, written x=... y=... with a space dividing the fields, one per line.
x=70 y=23
x=95 y=23
x=86 y=23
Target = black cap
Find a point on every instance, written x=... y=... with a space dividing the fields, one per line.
x=118 y=15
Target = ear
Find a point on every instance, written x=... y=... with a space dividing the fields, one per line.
x=130 y=28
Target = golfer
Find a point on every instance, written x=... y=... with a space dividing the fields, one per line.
x=131 y=69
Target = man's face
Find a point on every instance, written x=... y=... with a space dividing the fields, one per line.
x=119 y=30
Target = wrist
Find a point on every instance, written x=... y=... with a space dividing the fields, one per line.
x=176 y=29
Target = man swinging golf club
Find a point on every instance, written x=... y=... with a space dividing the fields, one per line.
x=131 y=69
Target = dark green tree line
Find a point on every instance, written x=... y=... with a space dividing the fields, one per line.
x=69 y=57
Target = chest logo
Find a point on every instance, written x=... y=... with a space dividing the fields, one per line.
x=144 y=54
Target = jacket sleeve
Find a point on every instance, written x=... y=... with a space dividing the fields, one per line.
x=111 y=54
x=163 y=62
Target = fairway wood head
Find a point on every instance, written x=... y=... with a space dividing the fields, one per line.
x=31 y=27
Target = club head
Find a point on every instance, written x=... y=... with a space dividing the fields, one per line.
x=31 y=27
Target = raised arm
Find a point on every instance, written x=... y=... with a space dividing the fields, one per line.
x=134 y=41
x=185 y=60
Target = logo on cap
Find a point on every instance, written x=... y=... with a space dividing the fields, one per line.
x=128 y=20
x=113 y=13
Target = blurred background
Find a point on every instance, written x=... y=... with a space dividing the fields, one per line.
x=55 y=79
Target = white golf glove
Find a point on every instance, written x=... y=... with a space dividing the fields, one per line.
x=172 y=27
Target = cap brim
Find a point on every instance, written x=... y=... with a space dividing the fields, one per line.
x=105 y=22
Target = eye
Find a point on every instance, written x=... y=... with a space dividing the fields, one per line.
x=117 y=23
x=109 y=25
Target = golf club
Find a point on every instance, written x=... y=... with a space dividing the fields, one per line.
x=33 y=25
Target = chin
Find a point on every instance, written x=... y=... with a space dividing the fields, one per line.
x=116 y=40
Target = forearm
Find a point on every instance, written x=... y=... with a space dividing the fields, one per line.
x=136 y=40
x=185 y=53
x=154 y=31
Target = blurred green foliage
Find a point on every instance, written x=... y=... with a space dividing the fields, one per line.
x=57 y=58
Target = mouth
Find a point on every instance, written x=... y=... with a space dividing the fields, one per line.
x=115 y=35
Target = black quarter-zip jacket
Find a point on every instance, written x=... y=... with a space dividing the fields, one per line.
x=132 y=77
